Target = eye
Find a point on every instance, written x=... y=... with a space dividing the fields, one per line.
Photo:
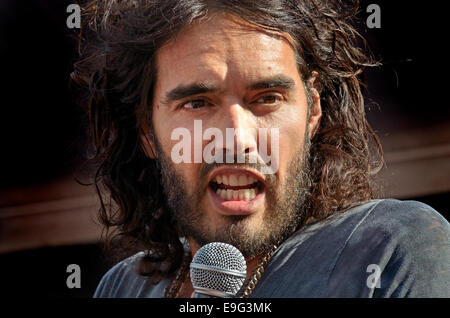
x=269 y=99
x=195 y=104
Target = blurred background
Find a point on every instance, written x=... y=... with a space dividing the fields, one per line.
x=48 y=220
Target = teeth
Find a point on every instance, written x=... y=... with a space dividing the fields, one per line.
x=252 y=194
x=233 y=180
x=246 y=195
x=225 y=179
x=242 y=181
x=242 y=195
x=222 y=194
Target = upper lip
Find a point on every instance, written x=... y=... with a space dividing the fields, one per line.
x=231 y=170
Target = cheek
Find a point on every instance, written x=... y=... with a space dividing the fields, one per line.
x=291 y=141
x=166 y=125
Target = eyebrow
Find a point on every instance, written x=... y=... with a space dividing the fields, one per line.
x=277 y=81
x=184 y=91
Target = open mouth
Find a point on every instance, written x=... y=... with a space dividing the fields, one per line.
x=236 y=186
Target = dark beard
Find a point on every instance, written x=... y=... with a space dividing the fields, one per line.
x=284 y=207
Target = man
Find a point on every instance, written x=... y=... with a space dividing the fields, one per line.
x=243 y=122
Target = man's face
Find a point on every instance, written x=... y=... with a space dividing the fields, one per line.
x=229 y=75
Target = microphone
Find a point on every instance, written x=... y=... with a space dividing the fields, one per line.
x=218 y=270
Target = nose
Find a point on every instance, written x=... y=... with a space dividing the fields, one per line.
x=240 y=134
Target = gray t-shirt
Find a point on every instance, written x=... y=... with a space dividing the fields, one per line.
x=403 y=243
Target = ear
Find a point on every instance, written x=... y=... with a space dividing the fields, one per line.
x=147 y=142
x=315 y=113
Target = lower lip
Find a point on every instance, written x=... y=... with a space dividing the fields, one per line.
x=236 y=207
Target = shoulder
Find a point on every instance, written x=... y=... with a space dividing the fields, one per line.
x=116 y=277
x=123 y=281
x=408 y=242
x=405 y=222
x=408 y=211
x=409 y=223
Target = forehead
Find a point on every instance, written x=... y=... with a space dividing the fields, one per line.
x=223 y=47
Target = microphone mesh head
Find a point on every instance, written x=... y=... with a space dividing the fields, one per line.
x=218 y=267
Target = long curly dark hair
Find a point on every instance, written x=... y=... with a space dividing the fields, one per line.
x=116 y=72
